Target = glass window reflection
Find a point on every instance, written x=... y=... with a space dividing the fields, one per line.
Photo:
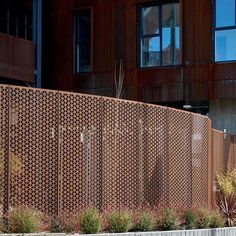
x=225 y=13
x=225 y=46
x=160 y=36
x=150 y=20
x=170 y=34
x=150 y=52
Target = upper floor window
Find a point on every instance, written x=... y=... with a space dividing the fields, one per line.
x=16 y=18
x=83 y=41
x=225 y=30
x=159 y=35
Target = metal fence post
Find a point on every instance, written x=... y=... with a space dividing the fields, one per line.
x=210 y=166
x=58 y=157
x=7 y=168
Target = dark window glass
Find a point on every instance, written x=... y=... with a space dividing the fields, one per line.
x=159 y=37
x=16 y=19
x=150 y=20
x=225 y=30
x=83 y=41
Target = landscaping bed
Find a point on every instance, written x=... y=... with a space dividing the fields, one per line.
x=200 y=232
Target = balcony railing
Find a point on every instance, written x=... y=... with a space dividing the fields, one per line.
x=16 y=58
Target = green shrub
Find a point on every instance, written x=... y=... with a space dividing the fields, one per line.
x=205 y=219
x=2 y=226
x=169 y=220
x=218 y=220
x=90 y=221
x=63 y=224
x=190 y=219
x=144 y=222
x=119 y=222
x=23 y=220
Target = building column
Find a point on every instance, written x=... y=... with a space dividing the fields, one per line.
x=37 y=39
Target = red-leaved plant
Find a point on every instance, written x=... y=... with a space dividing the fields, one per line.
x=226 y=195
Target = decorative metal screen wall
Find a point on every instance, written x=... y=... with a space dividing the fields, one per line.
x=223 y=153
x=80 y=150
x=65 y=151
x=4 y=148
x=33 y=148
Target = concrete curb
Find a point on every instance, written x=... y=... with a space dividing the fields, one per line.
x=197 y=232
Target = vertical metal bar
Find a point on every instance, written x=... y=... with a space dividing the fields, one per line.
x=213 y=29
x=210 y=166
x=139 y=156
x=8 y=21
x=17 y=27
x=75 y=43
x=140 y=38
x=37 y=39
x=160 y=28
x=234 y=12
x=8 y=157
x=58 y=157
x=26 y=26
x=103 y=192
x=182 y=48
x=191 y=161
x=167 y=163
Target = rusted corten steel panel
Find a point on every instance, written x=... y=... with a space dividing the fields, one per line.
x=114 y=32
x=153 y=152
x=16 y=58
x=4 y=147
x=223 y=153
x=65 y=151
x=33 y=145
x=120 y=153
x=80 y=151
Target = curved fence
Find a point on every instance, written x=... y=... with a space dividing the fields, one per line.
x=64 y=151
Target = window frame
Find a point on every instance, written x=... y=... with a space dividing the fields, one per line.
x=140 y=36
x=224 y=28
x=76 y=43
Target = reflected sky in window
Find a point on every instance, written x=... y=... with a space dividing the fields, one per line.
x=166 y=40
x=225 y=46
x=225 y=13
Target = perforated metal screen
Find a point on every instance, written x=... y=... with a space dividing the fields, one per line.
x=33 y=142
x=223 y=153
x=65 y=151
x=4 y=148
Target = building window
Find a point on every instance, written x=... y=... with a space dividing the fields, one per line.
x=16 y=18
x=225 y=30
x=83 y=41
x=159 y=35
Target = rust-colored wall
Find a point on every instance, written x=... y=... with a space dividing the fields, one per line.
x=16 y=58
x=114 y=37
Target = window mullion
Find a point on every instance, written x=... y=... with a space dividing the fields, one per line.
x=150 y=35
x=140 y=34
x=235 y=13
x=160 y=29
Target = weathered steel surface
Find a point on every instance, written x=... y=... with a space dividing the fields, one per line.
x=16 y=58
x=114 y=32
x=65 y=151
